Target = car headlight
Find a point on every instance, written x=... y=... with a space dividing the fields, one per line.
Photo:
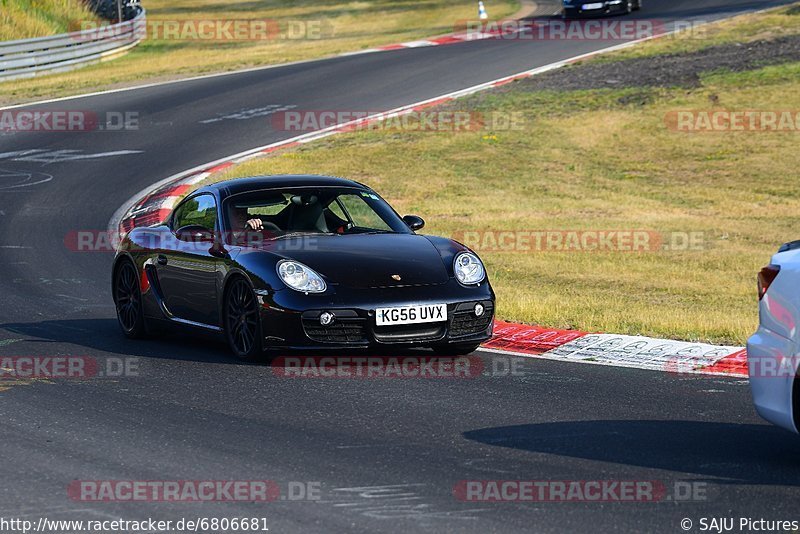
x=299 y=277
x=468 y=268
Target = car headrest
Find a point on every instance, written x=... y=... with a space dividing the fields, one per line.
x=304 y=200
x=307 y=217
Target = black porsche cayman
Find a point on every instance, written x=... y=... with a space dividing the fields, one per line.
x=311 y=262
x=592 y=8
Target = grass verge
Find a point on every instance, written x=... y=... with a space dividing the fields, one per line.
x=24 y=19
x=296 y=30
x=602 y=159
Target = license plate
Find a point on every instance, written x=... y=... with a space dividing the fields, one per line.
x=423 y=313
x=598 y=5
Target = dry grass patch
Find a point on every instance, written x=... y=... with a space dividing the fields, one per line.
x=24 y=19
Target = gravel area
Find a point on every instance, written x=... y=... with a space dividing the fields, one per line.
x=671 y=70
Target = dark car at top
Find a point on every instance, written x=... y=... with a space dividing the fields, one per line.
x=331 y=265
x=595 y=8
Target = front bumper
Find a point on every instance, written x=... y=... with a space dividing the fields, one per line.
x=290 y=320
x=771 y=383
x=609 y=8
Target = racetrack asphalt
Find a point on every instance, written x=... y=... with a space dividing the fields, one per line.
x=385 y=453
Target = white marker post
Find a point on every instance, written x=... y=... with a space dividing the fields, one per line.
x=482 y=11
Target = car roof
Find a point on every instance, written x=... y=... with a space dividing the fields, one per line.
x=255 y=183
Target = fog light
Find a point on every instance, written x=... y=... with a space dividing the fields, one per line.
x=326 y=318
x=479 y=309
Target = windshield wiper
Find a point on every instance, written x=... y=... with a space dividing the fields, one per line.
x=362 y=231
x=297 y=234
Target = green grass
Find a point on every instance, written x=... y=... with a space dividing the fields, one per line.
x=343 y=27
x=601 y=160
x=23 y=19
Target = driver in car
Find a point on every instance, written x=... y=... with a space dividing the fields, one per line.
x=241 y=220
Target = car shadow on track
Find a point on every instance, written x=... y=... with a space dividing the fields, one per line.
x=736 y=453
x=104 y=335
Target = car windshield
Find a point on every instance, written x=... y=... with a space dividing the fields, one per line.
x=293 y=211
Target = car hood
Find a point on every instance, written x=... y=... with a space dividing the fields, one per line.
x=370 y=260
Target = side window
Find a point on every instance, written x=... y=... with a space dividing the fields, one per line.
x=362 y=214
x=336 y=209
x=198 y=211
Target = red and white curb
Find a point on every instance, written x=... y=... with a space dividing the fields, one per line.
x=677 y=357
x=454 y=38
x=152 y=205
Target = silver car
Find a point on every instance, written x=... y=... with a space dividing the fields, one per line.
x=772 y=352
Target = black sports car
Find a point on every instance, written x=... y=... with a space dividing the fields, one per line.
x=286 y=262
x=593 y=8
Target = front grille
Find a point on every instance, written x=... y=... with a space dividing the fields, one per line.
x=347 y=327
x=465 y=323
x=409 y=332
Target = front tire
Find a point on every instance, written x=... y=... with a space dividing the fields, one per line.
x=456 y=349
x=242 y=323
x=128 y=301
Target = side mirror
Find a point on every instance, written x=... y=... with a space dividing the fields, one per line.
x=195 y=234
x=414 y=222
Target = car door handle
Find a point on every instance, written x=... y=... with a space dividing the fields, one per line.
x=162 y=260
